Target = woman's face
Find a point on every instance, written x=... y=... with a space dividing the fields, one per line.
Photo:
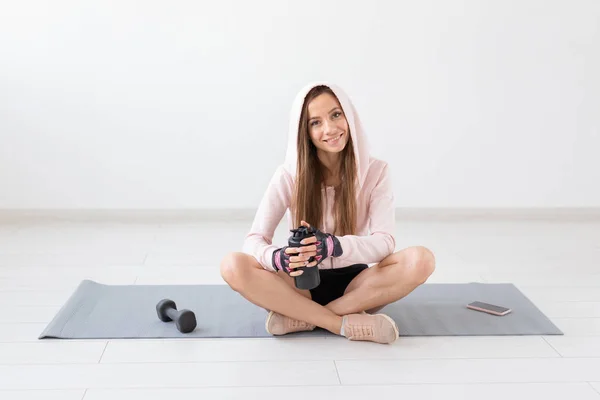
x=327 y=124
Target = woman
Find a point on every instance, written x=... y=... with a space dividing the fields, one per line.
x=328 y=181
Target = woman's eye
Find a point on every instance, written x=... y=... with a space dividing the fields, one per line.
x=337 y=114
x=313 y=123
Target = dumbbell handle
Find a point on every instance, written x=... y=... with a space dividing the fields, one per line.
x=173 y=314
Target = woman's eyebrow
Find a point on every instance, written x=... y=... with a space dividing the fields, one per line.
x=330 y=111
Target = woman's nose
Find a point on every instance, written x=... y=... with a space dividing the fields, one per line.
x=328 y=127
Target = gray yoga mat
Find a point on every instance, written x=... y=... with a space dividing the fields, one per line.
x=98 y=311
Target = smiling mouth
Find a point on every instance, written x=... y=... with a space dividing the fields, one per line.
x=335 y=139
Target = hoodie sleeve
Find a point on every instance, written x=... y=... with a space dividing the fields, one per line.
x=275 y=201
x=382 y=222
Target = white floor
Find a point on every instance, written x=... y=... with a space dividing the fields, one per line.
x=556 y=264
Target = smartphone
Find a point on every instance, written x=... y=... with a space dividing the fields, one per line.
x=488 y=308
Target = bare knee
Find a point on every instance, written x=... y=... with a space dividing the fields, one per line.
x=423 y=264
x=235 y=268
x=290 y=281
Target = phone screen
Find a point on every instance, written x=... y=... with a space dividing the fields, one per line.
x=487 y=306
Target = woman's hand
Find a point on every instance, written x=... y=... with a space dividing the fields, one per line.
x=326 y=244
x=300 y=257
x=289 y=259
x=318 y=247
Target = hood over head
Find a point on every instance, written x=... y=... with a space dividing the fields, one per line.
x=359 y=140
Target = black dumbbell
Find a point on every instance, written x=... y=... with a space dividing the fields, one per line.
x=185 y=320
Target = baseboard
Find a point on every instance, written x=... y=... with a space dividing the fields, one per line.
x=127 y=216
x=582 y=214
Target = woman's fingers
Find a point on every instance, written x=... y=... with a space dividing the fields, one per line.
x=300 y=272
x=302 y=249
x=309 y=240
x=296 y=262
x=295 y=265
x=302 y=257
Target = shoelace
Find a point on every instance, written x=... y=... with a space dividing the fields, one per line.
x=362 y=331
x=294 y=323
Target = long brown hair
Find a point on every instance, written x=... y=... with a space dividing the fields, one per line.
x=310 y=178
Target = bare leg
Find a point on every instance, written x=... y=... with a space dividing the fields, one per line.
x=290 y=281
x=392 y=279
x=267 y=290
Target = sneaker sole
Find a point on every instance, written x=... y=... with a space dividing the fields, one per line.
x=267 y=322
x=393 y=324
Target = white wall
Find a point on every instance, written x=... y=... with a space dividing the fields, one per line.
x=184 y=104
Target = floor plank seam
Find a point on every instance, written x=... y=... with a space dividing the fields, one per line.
x=337 y=372
x=553 y=348
x=325 y=385
x=103 y=351
x=389 y=360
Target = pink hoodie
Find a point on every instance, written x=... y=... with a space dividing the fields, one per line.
x=375 y=200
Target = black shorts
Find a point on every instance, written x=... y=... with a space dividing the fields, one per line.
x=334 y=282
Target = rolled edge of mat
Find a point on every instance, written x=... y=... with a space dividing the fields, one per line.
x=61 y=317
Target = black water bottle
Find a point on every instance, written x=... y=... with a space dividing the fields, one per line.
x=310 y=277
